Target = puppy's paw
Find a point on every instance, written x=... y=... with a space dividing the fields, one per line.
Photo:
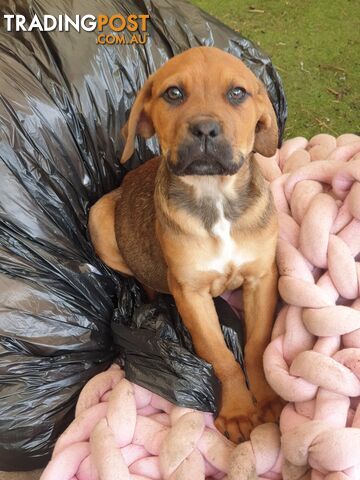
x=268 y=404
x=236 y=426
x=271 y=408
x=238 y=414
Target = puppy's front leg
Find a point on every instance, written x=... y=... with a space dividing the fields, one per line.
x=237 y=413
x=260 y=296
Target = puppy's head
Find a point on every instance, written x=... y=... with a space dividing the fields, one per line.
x=209 y=112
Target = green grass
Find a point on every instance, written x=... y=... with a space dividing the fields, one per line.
x=314 y=44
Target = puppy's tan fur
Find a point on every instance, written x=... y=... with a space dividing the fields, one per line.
x=197 y=236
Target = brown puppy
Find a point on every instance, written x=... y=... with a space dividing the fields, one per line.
x=200 y=219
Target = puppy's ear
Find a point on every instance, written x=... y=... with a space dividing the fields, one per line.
x=139 y=122
x=266 y=134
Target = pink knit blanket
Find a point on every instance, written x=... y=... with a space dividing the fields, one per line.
x=122 y=431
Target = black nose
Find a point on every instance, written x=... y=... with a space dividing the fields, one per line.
x=205 y=128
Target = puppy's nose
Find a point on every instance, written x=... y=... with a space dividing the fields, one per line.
x=205 y=128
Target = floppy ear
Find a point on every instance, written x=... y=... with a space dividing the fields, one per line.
x=139 y=122
x=266 y=134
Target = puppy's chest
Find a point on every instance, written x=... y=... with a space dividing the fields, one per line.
x=226 y=255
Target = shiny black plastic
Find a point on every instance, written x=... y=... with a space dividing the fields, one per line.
x=157 y=352
x=63 y=100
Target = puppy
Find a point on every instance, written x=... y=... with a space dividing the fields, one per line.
x=200 y=219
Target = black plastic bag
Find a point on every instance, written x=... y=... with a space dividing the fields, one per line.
x=157 y=352
x=63 y=100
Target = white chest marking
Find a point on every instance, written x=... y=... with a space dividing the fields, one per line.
x=228 y=250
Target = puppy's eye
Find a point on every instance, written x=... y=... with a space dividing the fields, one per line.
x=174 y=95
x=236 y=95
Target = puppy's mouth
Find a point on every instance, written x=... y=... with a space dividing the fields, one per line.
x=194 y=159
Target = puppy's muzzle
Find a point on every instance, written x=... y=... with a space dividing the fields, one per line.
x=205 y=151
